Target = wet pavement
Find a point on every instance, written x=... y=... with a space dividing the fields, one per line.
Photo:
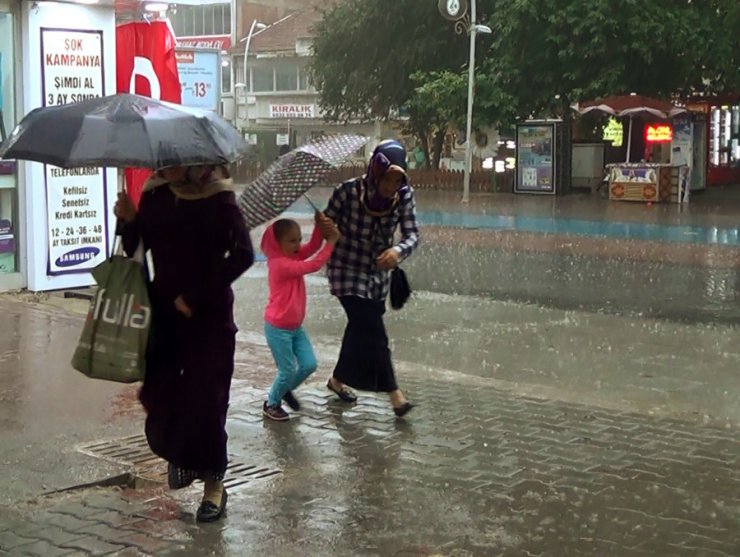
x=45 y=407
x=562 y=411
x=475 y=470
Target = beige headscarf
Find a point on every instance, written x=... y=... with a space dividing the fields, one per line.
x=214 y=179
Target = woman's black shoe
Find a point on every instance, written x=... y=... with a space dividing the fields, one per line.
x=209 y=512
x=344 y=393
x=402 y=410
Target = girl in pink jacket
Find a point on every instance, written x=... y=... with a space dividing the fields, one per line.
x=287 y=262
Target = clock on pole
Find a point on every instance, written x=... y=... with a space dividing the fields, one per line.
x=453 y=10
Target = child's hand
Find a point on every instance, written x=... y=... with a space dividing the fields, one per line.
x=325 y=224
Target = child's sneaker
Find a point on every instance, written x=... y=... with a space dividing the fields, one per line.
x=292 y=401
x=275 y=412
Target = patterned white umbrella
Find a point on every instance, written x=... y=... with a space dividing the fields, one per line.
x=293 y=174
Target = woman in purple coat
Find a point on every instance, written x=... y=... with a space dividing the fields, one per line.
x=190 y=224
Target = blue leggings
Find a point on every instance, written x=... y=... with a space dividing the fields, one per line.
x=294 y=358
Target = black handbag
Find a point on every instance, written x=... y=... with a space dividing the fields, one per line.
x=400 y=288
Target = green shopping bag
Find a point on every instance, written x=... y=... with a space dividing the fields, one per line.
x=114 y=339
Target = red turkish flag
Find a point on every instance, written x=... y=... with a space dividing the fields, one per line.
x=146 y=65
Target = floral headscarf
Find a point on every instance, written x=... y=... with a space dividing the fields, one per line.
x=389 y=155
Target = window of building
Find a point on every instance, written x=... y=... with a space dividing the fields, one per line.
x=8 y=191
x=263 y=80
x=208 y=19
x=226 y=78
x=220 y=18
x=286 y=78
x=304 y=79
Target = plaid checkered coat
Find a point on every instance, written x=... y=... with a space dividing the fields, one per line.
x=352 y=268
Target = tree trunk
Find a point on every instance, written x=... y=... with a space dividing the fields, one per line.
x=424 y=138
x=439 y=142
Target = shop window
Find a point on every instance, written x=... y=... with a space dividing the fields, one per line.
x=8 y=191
x=286 y=78
x=226 y=88
x=262 y=80
x=724 y=145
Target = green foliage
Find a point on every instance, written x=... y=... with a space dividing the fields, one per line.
x=438 y=101
x=545 y=54
x=372 y=56
x=366 y=52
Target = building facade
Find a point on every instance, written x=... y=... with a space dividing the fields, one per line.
x=276 y=106
x=217 y=24
x=209 y=25
x=55 y=225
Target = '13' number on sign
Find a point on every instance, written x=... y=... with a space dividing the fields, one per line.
x=199 y=89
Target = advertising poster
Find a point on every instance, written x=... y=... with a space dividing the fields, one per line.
x=200 y=78
x=535 y=160
x=682 y=153
x=681 y=143
x=7 y=247
x=72 y=71
x=3 y=131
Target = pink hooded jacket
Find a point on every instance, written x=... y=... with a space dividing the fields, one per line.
x=286 y=307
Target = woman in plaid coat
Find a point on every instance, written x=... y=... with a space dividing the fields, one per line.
x=368 y=210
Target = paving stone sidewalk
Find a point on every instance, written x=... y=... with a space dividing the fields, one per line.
x=474 y=471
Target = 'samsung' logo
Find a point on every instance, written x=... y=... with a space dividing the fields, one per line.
x=77 y=256
x=122 y=311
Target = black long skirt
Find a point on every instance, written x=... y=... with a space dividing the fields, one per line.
x=365 y=359
x=190 y=363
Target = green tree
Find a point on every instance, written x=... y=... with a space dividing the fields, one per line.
x=437 y=102
x=718 y=53
x=545 y=54
x=370 y=57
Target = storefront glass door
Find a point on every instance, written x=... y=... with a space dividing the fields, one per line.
x=8 y=169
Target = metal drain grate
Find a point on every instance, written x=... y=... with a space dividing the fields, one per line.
x=134 y=451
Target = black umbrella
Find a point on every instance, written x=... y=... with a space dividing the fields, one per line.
x=294 y=174
x=124 y=131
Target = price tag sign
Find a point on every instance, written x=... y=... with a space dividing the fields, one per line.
x=200 y=77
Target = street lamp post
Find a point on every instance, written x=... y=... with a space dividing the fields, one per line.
x=456 y=10
x=255 y=25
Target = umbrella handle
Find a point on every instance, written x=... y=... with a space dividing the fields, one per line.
x=121 y=187
x=311 y=202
